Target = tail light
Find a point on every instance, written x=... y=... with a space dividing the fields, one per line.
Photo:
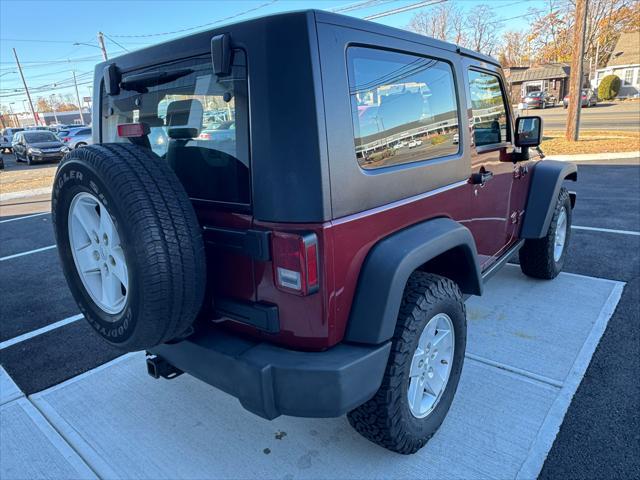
x=131 y=130
x=204 y=136
x=66 y=139
x=295 y=262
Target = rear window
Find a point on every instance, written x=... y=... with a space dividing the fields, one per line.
x=39 y=136
x=198 y=123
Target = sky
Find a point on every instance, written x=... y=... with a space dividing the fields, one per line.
x=45 y=34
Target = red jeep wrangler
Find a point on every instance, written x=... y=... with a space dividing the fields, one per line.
x=294 y=208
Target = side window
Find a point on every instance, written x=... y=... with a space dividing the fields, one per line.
x=489 y=110
x=404 y=107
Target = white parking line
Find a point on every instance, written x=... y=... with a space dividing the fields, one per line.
x=24 y=217
x=40 y=331
x=606 y=230
x=22 y=254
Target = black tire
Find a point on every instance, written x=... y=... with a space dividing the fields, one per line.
x=30 y=160
x=159 y=233
x=386 y=419
x=537 y=255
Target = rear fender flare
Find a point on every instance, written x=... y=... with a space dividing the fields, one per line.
x=392 y=260
x=547 y=179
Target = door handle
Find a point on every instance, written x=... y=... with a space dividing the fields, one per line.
x=481 y=178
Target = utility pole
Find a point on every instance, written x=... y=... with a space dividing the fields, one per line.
x=575 y=80
x=78 y=97
x=26 y=89
x=101 y=44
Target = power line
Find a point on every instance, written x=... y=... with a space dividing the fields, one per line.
x=118 y=44
x=188 y=29
x=426 y=3
x=361 y=5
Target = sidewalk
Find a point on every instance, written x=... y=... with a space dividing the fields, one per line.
x=524 y=362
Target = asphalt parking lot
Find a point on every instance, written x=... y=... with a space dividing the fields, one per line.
x=43 y=342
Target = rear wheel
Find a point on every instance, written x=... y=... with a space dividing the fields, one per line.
x=544 y=257
x=427 y=353
x=129 y=243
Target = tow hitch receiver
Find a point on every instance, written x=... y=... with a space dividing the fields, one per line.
x=158 y=367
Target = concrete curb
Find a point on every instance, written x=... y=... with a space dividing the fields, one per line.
x=594 y=156
x=24 y=193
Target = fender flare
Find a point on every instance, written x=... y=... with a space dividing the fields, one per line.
x=392 y=260
x=544 y=189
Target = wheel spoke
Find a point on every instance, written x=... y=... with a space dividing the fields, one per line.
x=87 y=218
x=416 y=367
x=107 y=228
x=416 y=393
x=111 y=292
x=120 y=268
x=443 y=339
x=434 y=384
x=85 y=258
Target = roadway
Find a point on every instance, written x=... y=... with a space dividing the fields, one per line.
x=604 y=116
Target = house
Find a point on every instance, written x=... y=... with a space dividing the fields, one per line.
x=552 y=78
x=625 y=64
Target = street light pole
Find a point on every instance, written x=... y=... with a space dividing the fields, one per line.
x=26 y=89
x=16 y=120
x=78 y=97
x=52 y=97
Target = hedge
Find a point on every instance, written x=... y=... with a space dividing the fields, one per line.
x=609 y=87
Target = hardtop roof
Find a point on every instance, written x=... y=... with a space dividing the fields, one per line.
x=319 y=16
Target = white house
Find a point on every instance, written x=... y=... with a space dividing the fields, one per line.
x=625 y=64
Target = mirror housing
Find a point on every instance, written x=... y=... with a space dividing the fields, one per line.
x=528 y=132
x=221 y=54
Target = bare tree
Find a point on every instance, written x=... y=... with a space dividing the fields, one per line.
x=444 y=21
x=514 y=49
x=482 y=29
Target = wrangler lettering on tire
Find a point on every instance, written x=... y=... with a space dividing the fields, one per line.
x=130 y=244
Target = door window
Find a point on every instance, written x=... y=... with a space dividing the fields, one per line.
x=404 y=107
x=489 y=109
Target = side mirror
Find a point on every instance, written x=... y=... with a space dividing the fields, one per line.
x=528 y=132
x=221 y=54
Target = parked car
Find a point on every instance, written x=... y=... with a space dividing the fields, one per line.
x=37 y=146
x=7 y=137
x=589 y=99
x=77 y=137
x=316 y=271
x=538 y=100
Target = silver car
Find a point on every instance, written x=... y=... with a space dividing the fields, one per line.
x=6 y=137
x=77 y=137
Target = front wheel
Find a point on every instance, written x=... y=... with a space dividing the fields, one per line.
x=421 y=378
x=544 y=257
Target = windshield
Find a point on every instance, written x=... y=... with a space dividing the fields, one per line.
x=39 y=136
x=198 y=123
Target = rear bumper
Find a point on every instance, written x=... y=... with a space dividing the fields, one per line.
x=271 y=381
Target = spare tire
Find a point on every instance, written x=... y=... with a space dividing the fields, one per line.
x=130 y=244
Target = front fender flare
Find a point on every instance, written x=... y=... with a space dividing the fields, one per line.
x=544 y=189
x=392 y=260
